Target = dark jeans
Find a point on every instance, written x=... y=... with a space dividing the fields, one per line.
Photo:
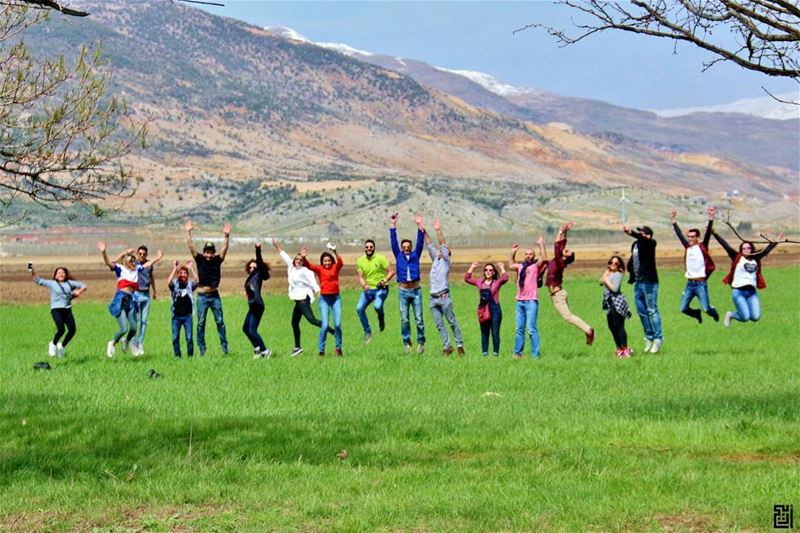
x=63 y=317
x=184 y=322
x=492 y=326
x=302 y=308
x=616 y=323
x=250 y=327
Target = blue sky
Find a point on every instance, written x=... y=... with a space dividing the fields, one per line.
x=629 y=70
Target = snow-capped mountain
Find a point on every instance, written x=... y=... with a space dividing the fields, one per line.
x=765 y=106
x=490 y=83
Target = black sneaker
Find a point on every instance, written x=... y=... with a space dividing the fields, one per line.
x=713 y=314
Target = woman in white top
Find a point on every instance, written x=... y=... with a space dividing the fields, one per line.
x=303 y=288
x=745 y=278
x=123 y=305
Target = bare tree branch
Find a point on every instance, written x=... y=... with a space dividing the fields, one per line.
x=765 y=33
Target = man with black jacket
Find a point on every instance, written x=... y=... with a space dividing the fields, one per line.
x=644 y=277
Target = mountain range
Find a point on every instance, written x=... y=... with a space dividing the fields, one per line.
x=264 y=127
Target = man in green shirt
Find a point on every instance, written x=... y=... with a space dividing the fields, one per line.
x=374 y=274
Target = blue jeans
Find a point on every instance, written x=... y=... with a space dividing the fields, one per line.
x=645 y=294
x=326 y=303
x=694 y=289
x=442 y=308
x=184 y=322
x=204 y=302
x=748 y=306
x=409 y=297
x=143 y=305
x=374 y=296
x=527 y=312
x=127 y=324
x=250 y=326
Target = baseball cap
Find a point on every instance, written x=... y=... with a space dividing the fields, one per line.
x=209 y=246
x=647 y=230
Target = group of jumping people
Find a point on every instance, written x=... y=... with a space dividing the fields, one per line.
x=196 y=290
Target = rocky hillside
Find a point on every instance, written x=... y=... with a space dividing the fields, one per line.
x=275 y=132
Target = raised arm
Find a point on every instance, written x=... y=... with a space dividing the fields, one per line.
x=673 y=217
x=437 y=225
x=727 y=247
x=153 y=261
x=192 y=273
x=774 y=241
x=710 y=227
x=468 y=274
x=503 y=274
x=540 y=244
x=104 y=252
x=172 y=272
x=562 y=232
x=420 y=244
x=393 y=237
x=512 y=260
x=226 y=230
x=189 y=227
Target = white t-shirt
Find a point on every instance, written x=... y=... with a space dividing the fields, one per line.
x=695 y=264
x=745 y=273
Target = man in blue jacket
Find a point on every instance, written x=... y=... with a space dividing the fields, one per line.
x=410 y=293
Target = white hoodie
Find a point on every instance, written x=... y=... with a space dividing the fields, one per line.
x=302 y=282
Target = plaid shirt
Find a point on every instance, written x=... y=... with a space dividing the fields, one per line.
x=617 y=301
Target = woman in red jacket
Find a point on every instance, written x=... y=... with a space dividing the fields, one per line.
x=328 y=273
x=745 y=278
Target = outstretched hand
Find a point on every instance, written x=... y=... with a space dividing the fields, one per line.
x=175 y=264
x=226 y=229
x=515 y=247
x=418 y=220
x=393 y=219
x=303 y=251
x=189 y=263
x=473 y=265
x=101 y=246
x=540 y=241
x=437 y=224
x=188 y=225
x=673 y=216
x=258 y=246
x=711 y=212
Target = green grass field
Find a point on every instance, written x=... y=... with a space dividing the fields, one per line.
x=702 y=437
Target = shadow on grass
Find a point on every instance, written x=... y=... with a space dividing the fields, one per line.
x=40 y=438
x=780 y=406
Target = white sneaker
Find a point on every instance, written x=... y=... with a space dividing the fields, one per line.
x=656 y=345
x=266 y=354
x=111 y=349
x=728 y=317
x=136 y=350
x=60 y=350
x=420 y=348
x=51 y=349
x=139 y=350
x=647 y=345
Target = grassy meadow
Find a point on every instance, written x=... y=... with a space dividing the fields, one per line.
x=702 y=437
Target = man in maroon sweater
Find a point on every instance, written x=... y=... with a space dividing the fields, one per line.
x=555 y=279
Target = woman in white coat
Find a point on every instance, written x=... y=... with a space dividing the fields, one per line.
x=303 y=288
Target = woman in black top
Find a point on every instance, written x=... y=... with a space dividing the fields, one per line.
x=257 y=273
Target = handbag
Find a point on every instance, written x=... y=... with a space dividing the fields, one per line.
x=484 y=313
